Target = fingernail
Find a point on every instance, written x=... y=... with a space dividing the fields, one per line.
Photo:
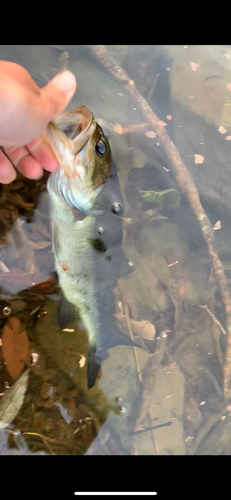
x=65 y=81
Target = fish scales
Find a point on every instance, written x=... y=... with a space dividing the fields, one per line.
x=74 y=261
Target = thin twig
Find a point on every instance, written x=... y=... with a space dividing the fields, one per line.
x=45 y=439
x=214 y=319
x=48 y=446
x=52 y=440
x=140 y=431
x=186 y=184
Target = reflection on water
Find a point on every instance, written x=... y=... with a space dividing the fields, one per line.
x=173 y=395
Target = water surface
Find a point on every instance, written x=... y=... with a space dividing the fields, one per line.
x=170 y=401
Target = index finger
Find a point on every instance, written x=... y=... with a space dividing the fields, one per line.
x=42 y=152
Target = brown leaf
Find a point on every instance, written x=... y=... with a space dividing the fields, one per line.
x=150 y=134
x=15 y=347
x=222 y=129
x=228 y=138
x=169 y=117
x=199 y=159
x=144 y=328
x=46 y=287
x=217 y=225
x=228 y=86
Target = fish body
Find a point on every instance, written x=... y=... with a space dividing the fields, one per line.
x=86 y=209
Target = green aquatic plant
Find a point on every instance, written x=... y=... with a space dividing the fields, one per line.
x=168 y=198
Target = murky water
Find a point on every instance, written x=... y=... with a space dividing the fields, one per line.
x=166 y=396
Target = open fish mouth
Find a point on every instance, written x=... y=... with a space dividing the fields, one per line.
x=75 y=137
x=68 y=134
x=78 y=127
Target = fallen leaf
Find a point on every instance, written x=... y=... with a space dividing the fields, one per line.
x=169 y=117
x=131 y=82
x=222 y=130
x=228 y=86
x=150 y=134
x=40 y=244
x=15 y=347
x=194 y=66
x=228 y=138
x=46 y=287
x=144 y=328
x=217 y=225
x=12 y=400
x=199 y=159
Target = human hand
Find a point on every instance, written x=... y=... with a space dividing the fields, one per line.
x=25 y=111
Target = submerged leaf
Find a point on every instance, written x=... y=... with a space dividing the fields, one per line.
x=198 y=159
x=222 y=129
x=15 y=347
x=167 y=198
x=144 y=328
x=150 y=134
x=12 y=401
x=217 y=225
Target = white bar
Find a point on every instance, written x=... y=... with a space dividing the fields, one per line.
x=115 y=493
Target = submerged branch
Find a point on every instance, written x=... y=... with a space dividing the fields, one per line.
x=186 y=184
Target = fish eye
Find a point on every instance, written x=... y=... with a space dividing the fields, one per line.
x=100 y=148
x=116 y=207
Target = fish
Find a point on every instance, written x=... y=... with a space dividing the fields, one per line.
x=86 y=211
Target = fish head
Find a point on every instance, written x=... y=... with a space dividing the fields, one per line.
x=84 y=157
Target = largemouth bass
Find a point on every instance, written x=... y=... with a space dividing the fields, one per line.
x=86 y=209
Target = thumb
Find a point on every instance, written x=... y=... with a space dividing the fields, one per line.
x=57 y=94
